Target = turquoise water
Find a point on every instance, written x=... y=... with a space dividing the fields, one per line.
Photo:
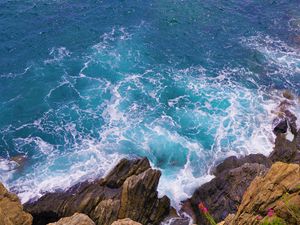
x=185 y=83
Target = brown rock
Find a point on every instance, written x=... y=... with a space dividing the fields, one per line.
x=128 y=188
x=234 y=162
x=223 y=194
x=124 y=169
x=285 y=150
x=11 y=210
x=139 y=192
x=288 y=95
x=126 y=221
x=76 y=219
x=279 y=189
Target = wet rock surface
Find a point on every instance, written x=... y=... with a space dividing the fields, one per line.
x=128 y=188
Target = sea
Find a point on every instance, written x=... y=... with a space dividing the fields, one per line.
x=185 y=83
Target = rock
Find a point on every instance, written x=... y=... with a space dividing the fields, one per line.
x=224 y=193
x=288 y=95
x=285 y=119
x=128 y=188
x=76 y=219
x=11 y=210
x=139 y=192
x=278 y=190
x=285 y=150
x=126 y=221
x=124 y=169
x=19 y=159
x=234 y=162
x=280 y=126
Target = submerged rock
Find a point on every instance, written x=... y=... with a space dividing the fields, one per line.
x=128 y=191
x=76 y=219
x=11 y=210
x=278 y=191
x=224 y=193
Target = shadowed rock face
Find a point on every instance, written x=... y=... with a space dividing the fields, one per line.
x=128 y=188
x=285 y=150
x=279 y=190
x=224 y=193
x=11 y=210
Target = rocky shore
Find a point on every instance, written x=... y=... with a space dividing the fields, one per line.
x=245 y=190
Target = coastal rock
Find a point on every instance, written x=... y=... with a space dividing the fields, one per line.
x=126 y=221
x=285 y=150
x=234 y=162
x=280 y=126
x=223 y=194
x=11 y=210
x=76 y=219
x=128 y=188
x=278 y=190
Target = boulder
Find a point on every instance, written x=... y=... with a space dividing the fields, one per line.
x=280 y=126
x=223 y=194
x=11 y=210
x=76 y=219
x=234 y=162
x=126 y=221
x=277 y=192
x=128 y=188
x=285 y=150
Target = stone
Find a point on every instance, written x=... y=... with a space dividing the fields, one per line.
x=126 y=221
x=76 y=219
x=278 y=190
x=280 y=126
x=223 y=194
x=128 y=188
x=234 y=162
x=139 y=192
x=285 y=150
x=288 y=95
x=11 y=210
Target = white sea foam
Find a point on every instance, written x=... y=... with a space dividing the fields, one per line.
x=184 y=133
x=57 y=54
x=277 y=52
x=85 y=164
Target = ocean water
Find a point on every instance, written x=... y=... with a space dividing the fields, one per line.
x=185 y=83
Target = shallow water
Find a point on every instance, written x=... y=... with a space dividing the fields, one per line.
x=185 y=83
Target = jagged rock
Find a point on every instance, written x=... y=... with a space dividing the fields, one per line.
x=128 y=188
x=279 y=190
x=139 y=192
x=285 y=119
x=126 y=221
x=234 y=162
x=285 y=150
x=11 y=210
x=124 y=169
x=223 y=194
x=76 y=219
x=280 y=126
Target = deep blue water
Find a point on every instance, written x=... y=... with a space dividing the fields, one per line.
x=185 y=83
